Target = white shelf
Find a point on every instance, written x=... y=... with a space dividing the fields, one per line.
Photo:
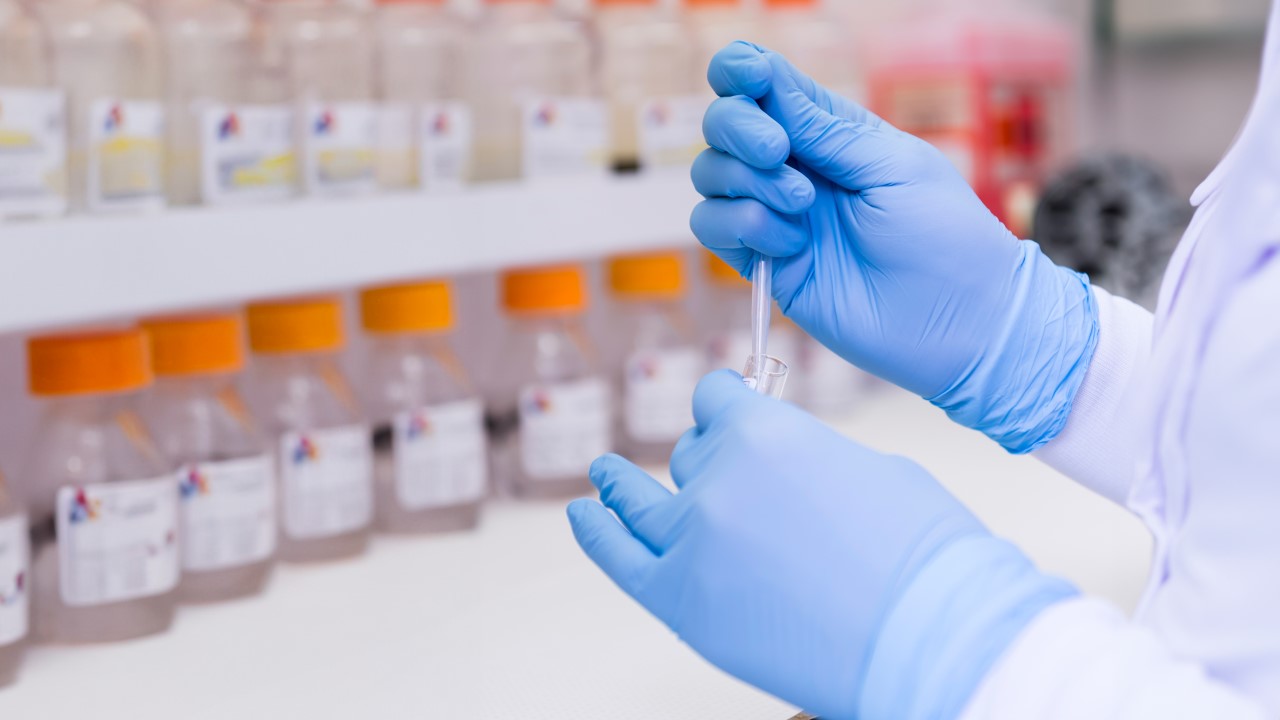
x=513 y=623
x=85 y=269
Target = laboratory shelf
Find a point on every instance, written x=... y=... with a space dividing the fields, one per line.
x=85 y=269
x=511 y=622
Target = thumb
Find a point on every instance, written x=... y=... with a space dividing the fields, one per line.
x=855 y=155
x=717 y=394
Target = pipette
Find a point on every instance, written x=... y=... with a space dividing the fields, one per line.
x=761 y=313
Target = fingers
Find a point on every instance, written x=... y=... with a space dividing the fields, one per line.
x=831 y=102
x=727 y=226
x=743 y=68
x=855 y=155
x=737 y=126
x=718 y=393
x=610 y=546
x=740 y=69
x=684 y=458
x=784 y=189
x=633 y=495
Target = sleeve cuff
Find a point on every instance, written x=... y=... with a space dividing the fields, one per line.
x=1092 y=449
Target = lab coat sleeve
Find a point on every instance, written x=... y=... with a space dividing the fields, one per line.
x=1092 y=449
x=1083 y=659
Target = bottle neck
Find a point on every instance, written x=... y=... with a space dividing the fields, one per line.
x=426 y=342
x=194 y=384
x=560 y=322
x=92 y=407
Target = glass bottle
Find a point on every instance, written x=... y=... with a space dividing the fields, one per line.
x=550 y=404
x=728 y=328
x=645 y=59
x=661 y=363
x=814 y=41
x=712 y=25
x=226 y=479
x=529 y=81
x=425 y=129
x=322 y=442
x=323 y=50
x=103 y=500
x=229 y=130
x=107 y=57
x=430 y=465
x=33 y=172
x=15 y=578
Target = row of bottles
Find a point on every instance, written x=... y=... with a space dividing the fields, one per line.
x=159 y=475
x=111 y=105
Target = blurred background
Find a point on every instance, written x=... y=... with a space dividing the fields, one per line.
x=472 y=216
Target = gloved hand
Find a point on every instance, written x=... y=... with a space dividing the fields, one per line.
x=837 y=578
x=884 y=253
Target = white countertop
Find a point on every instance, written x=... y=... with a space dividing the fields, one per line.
x=513 y=623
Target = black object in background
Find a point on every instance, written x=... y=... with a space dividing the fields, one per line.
x=1115 y=218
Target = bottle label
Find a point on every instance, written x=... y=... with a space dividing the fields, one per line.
x=228 y=513
x=126 y=146
x=439 y=455
x=659 y=392
x=396 y=140
x=563 y=427
x=669 y=131
x=117 y=541
x=327 y=478
x=340 y=148
x=563 y=137
x=444 y=150
x=246 y=153
x=33 y=152
x=15 y=578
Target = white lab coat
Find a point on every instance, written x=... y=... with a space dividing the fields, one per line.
x=1179 y=419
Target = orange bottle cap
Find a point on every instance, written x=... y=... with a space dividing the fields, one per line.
x=545 y=291
x=296 y=326
x=195 y=344
x=86 y=363
x=720 y=272
x=775 y=4
x=653 y=276
x=416 y=307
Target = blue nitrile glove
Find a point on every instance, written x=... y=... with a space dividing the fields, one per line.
x=885 y=254
x=839 y=579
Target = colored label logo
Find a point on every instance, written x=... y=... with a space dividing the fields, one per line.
x=229 y=127
x=305 y=451
x=645 y=368
x=84 y=508
x=441 y=124
x=659 y=114
x=546 y=116
x=325 y=123
x=419 y=425
x=537 y=402
x=193 y=483
x=114 y=119
x=19 y=587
